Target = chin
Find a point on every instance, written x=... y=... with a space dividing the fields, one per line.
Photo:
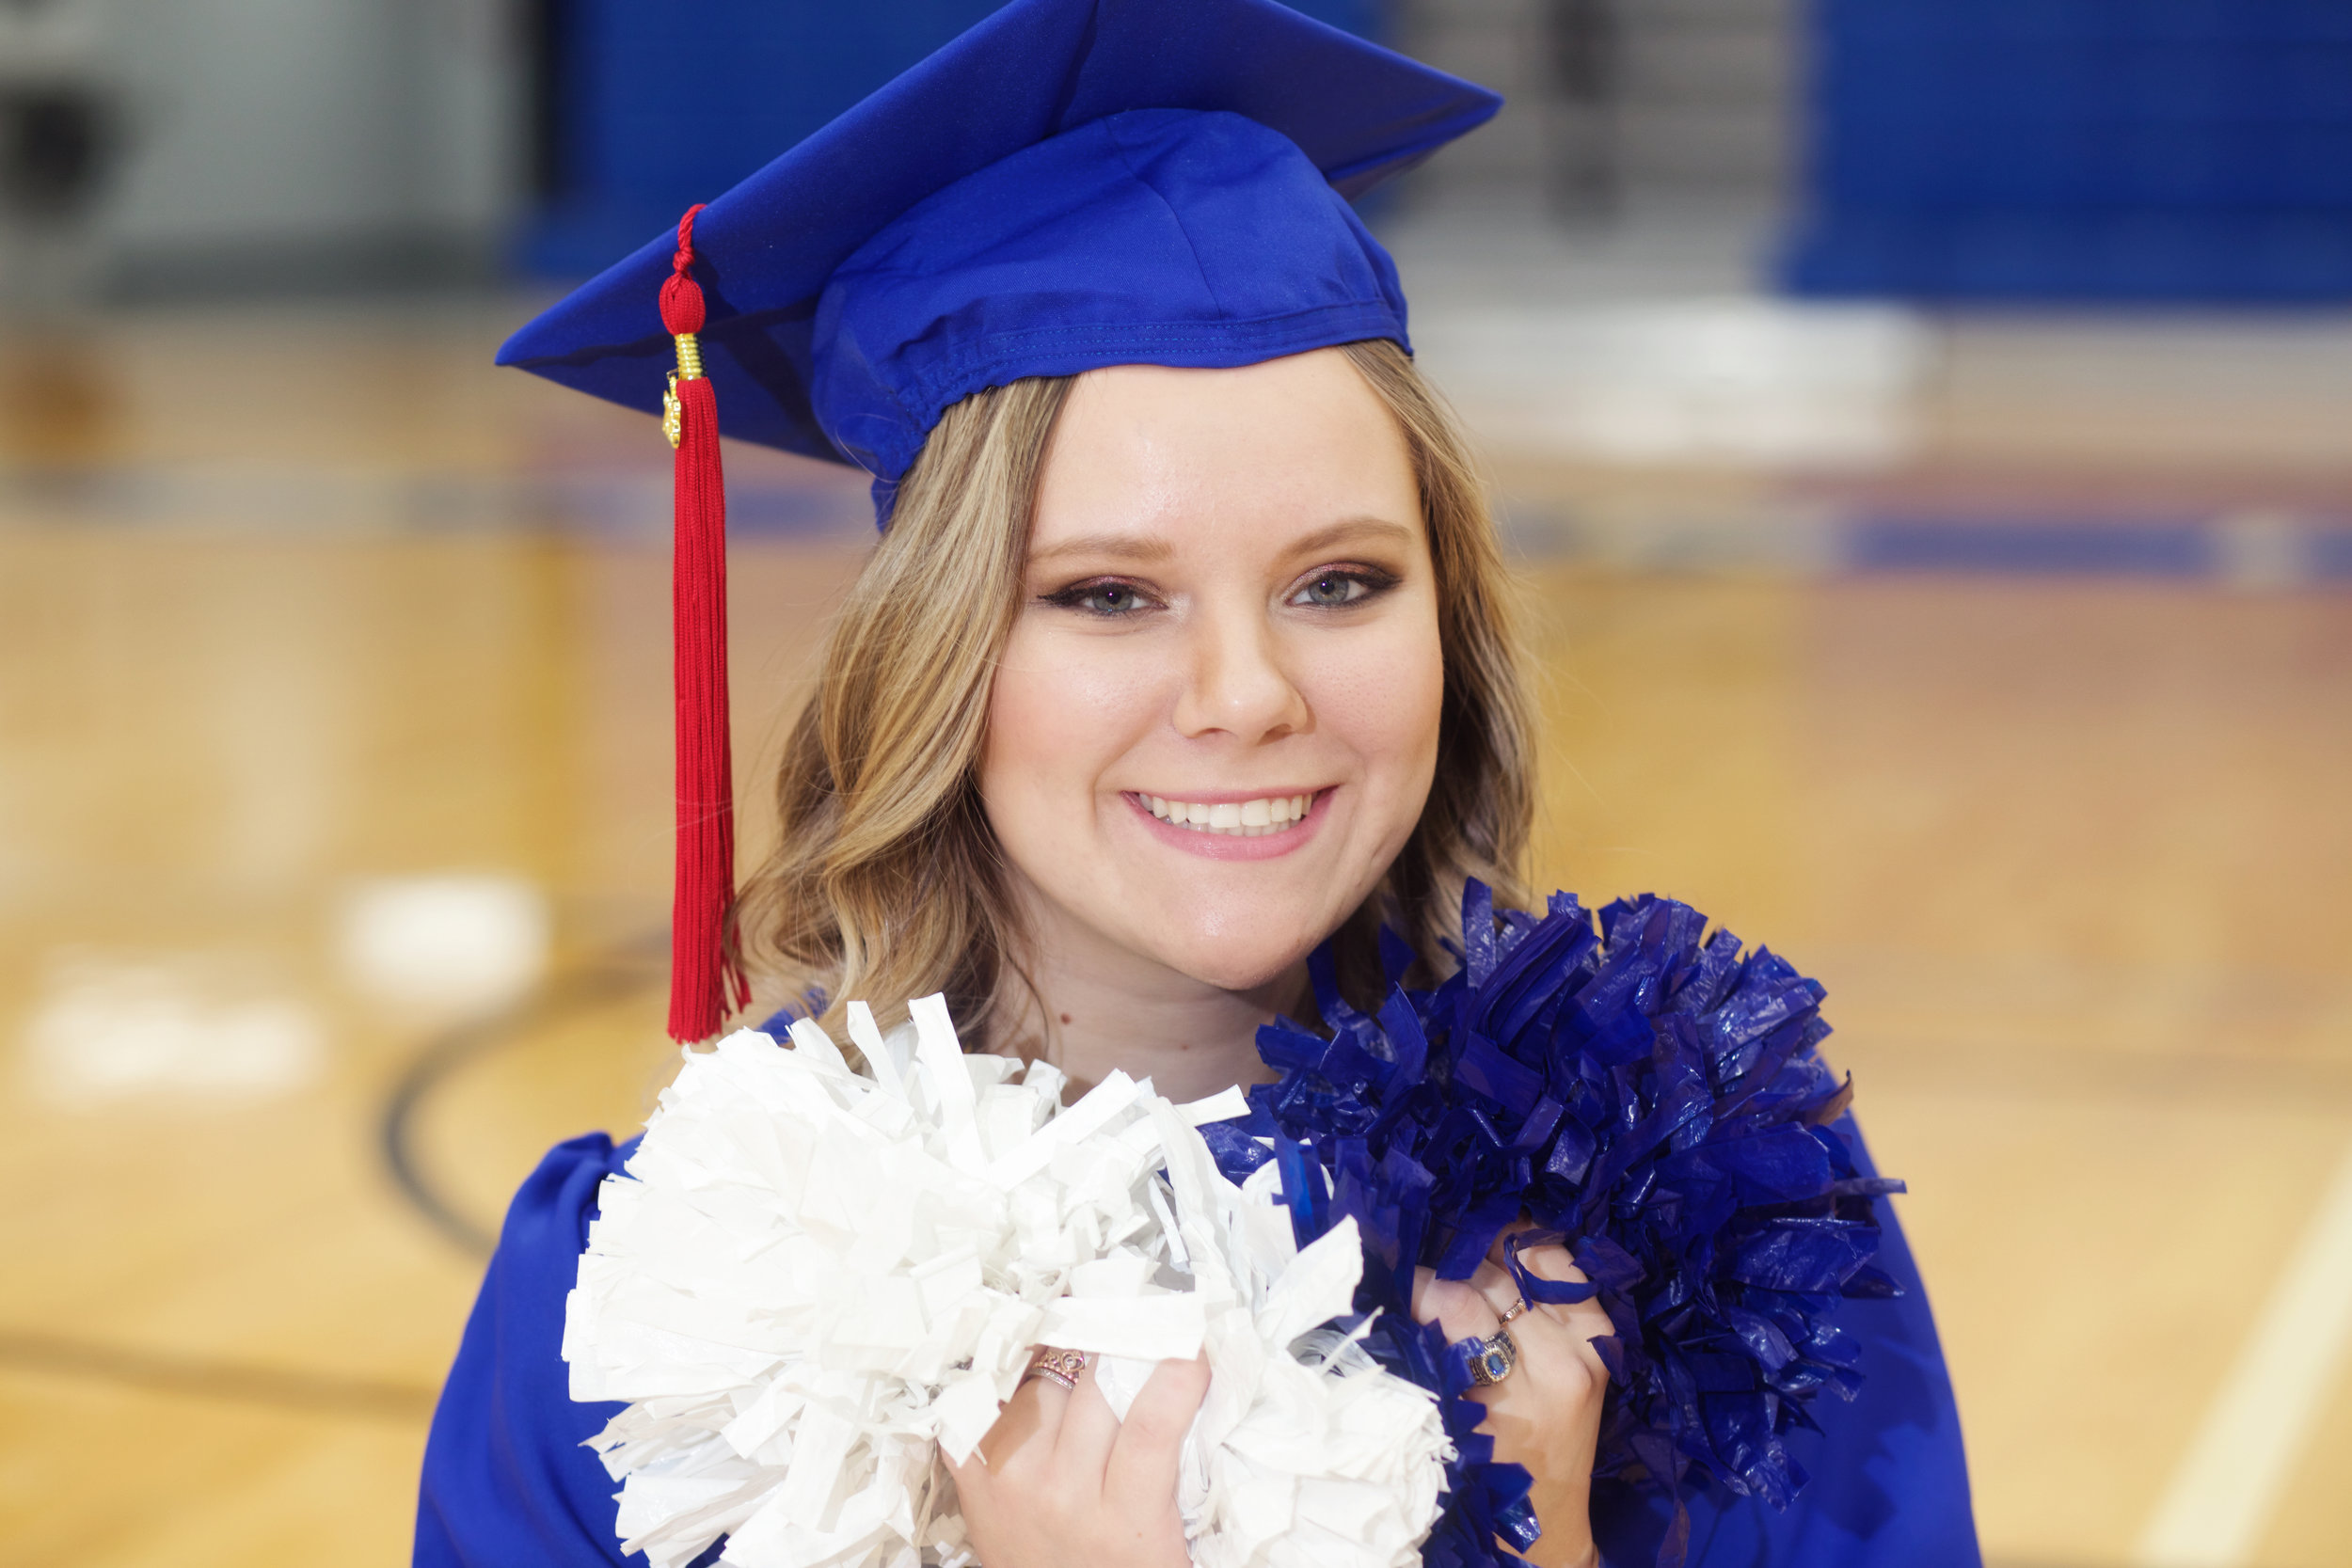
x=1236 y=975
x=1244 y=956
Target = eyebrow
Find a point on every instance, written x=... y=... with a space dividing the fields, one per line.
x=1120 y=546
x=1349 y=531
x=1152 y=548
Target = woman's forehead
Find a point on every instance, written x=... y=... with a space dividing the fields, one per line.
x=1293 y=446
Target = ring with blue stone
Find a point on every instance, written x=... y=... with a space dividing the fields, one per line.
x=1492 y=1361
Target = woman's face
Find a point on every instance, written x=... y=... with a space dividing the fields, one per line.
x=1215 y=720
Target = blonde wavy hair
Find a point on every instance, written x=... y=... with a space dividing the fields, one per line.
x=887 y=882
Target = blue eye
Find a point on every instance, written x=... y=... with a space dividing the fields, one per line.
x=1331 y=589
x=1111 y=599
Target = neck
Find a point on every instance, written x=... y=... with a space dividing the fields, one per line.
x=1089 y=1006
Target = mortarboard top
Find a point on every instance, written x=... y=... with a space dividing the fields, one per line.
x=1069 y=183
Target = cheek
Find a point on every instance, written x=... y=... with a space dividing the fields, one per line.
x=1057 y=719
x=1383 y=696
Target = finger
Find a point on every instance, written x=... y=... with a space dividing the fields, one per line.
x=1082 y=1448
x=1502 y=1293
x=1454 y=1306
x=1540 y=1332
x=1500 y=1254
x=1027 y=1427
x=1548 y=1260
x=1149 y=1446
x=1548 y=1338
x=1585 y=1321
x=1557 y=1265
x=1552 y=1252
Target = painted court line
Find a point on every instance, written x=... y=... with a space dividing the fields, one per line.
x=2222 y=1496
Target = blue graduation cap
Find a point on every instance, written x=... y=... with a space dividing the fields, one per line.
x=1071 y=184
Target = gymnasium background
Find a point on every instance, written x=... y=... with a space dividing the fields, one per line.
x=1926 y=428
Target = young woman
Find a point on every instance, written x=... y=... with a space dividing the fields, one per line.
x=1186 y=649
x=1263 y=603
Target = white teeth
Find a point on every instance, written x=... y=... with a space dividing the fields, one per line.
x=1268 y=813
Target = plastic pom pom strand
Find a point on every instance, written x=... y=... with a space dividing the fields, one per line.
x=1651 y=1098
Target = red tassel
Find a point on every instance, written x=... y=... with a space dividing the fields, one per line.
x=706 y=981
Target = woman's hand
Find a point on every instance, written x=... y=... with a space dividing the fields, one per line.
x=1546 y=1415
x=1061 y=1483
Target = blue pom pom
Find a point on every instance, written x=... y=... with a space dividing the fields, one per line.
x=1651 y=1100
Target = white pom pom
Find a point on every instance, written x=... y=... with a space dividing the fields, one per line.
x=812 y=1282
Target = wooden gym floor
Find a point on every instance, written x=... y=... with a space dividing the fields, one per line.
x=2035 y=747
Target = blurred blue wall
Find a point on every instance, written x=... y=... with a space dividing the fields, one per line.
x=651 y=105
x=2158 y=151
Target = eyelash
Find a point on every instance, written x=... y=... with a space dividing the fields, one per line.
x=1075 y=596
x=1373 y=581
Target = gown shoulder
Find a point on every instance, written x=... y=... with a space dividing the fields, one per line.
x=506 y=1482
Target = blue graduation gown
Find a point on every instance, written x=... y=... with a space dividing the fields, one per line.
x=507 y=1483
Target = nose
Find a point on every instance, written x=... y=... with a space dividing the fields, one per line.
x=1236 y=682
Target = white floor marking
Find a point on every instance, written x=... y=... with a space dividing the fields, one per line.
x=2221 y=1499
x=119 y=1025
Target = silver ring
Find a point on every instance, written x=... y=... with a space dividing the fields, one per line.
x=1494 y=1359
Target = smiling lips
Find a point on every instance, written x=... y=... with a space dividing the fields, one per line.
x=1263 y=817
